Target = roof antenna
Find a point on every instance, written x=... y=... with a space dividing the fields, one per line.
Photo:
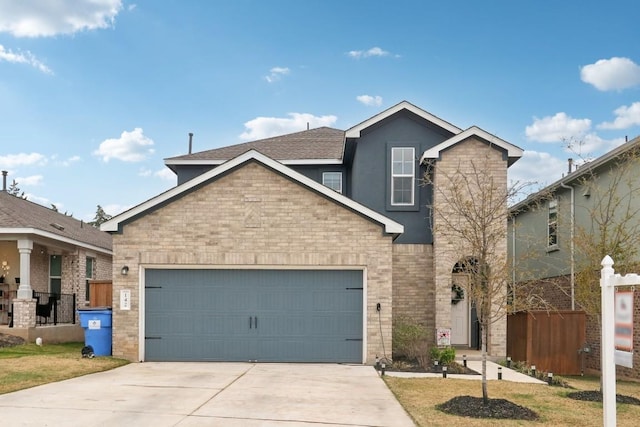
x=307 y=125
x=190 y=141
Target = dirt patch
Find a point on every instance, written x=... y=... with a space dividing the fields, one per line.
x=596 y=396
x=475 y=407
x=10 y=340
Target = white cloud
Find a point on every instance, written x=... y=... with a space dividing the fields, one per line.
x=374 y=51
x=371 y=101
x=29 y=181
x=38 y=18
x=626 y=117
x=537 y=167
x=165 y=174
x=22 y=159
x=557 y=128
x=591 y=145
x=276 y=73
x=611 y=74
x=265 y=127
x=130 y=147
x=23 y=58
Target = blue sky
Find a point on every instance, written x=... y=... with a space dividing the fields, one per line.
x=95 y=94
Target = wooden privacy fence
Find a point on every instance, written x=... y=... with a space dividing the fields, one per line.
x=552 y=341
x=100 y=293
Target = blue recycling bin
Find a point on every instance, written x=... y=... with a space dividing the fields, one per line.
x=96 y=323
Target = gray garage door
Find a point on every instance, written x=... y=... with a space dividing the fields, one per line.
x=263 y=315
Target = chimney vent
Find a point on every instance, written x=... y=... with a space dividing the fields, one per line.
x=190 y=141
x=4 y=180
x=570 y=165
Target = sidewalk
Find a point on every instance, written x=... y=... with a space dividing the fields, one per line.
x=476 y=365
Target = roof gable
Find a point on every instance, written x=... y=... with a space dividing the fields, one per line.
x=355 y=131
x=390 y=226
x=513 y=152
x=20 y=216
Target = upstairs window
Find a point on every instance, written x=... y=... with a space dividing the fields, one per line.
x=333 y=180
x=402 y=176
x=552 y=238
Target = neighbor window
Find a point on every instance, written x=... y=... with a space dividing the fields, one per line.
x=55 y=274
x=402 y=175
x=333 y=180
x=88 y=276
x=553 y=223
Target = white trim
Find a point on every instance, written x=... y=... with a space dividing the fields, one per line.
x=355 y=131
x=434 y=152
x=292 y=162
x=142 y=301
x=391 y=226
x=53 y=236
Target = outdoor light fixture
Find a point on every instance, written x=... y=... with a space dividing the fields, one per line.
x=550 y=378
x=444 y=372
x=125 y=270
x=508 y=361
x=464 y=360
x=499 y=372
x=383 y=368
x=533 y=370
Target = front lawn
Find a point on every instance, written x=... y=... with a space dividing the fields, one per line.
x=29 y=365
x=419 y=396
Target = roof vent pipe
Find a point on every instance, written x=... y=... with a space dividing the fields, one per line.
x=190 y=141
x=4 y=180
x=570 y=165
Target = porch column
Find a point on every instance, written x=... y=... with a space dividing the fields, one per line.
x=25 y=247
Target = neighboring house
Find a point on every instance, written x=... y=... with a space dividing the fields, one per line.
x=562 y=232
x=47 y=252
x=301 y=247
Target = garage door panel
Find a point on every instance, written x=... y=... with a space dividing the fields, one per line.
x=301 y=315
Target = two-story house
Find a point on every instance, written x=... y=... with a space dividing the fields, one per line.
x=301 y=247
x=559 y=236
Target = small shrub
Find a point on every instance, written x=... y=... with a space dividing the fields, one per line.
x=410 y=340
x=444 y=355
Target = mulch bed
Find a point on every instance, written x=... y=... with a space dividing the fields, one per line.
x=10 y=340
x=596 y=396
x=405 y=365
x=474 y=407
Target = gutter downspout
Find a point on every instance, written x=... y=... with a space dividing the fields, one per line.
x=573 y=276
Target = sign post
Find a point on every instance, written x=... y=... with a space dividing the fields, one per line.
x=610 y=319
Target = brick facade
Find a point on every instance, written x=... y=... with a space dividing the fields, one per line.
x=413 y=285
x=253 y=217
x=460 y=159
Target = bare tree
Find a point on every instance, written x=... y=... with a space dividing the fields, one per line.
x=471 y=217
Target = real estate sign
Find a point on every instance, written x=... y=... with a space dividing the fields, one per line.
x=624 y=328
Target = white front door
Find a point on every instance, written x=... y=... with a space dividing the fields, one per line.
x=460 y=314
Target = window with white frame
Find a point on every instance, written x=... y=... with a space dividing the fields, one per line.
x=89 y=274
x=333 y=180
x=552 y=237
x=402 y=176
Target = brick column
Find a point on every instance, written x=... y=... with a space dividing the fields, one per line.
x=24 y=313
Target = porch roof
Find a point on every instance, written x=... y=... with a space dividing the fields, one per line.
x=23 y=217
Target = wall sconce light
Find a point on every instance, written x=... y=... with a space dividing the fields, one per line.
x=125 y=270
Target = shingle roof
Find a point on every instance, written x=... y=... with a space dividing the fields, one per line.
x=322 y=143
x=19 y=214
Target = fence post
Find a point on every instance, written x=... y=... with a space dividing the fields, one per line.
x=607 y=345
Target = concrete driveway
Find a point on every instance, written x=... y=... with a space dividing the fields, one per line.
x=211 y=394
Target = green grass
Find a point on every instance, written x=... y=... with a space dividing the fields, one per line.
x=29 y=365
x=419 y=396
